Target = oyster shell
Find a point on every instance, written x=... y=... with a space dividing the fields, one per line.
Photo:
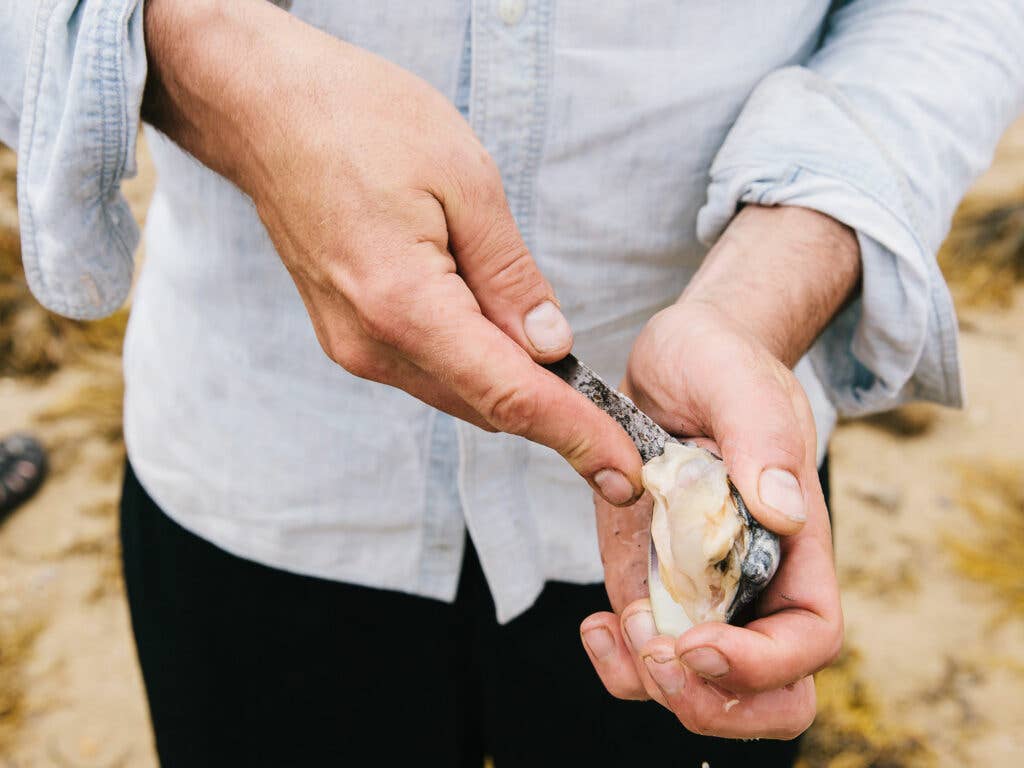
x=708 y=557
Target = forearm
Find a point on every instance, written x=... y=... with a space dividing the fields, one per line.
x=217 y=73
x=781 y=273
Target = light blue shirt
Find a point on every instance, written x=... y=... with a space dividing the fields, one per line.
x=627 y=135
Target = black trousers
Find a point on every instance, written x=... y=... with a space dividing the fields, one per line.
x=246 y=665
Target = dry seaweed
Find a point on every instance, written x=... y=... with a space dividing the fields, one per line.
x=35 y=342
x=983 y=256
x=19 y=628
x=95 y=409
x=911 y=420
x=899 y=581
x=851 y=730
x=991 y=551
x=87 y=416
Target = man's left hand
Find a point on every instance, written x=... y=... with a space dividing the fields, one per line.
x=704 y=375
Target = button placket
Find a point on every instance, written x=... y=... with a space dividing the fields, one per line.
x=511 y=11
x=510 y=63
x=508 y=112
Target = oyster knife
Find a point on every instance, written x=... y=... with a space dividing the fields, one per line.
x=647 y=436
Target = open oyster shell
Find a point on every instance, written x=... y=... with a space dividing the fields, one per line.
x=709 y=558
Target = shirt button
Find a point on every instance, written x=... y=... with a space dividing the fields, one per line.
x=511 y=11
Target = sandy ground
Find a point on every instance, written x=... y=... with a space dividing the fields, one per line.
x=926 y=635
x=928 y=654
x=82 y=693
x=70 y=689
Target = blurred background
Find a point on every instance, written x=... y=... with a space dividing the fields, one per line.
x=928 y=512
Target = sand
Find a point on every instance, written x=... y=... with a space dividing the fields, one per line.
x=930 y=672
x=926 y=635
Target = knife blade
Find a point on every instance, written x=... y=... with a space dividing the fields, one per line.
x=647 y=436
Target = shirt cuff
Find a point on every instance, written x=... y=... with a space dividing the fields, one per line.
x=797 y=142
x=80 y=119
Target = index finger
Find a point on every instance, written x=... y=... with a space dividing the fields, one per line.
x=446 y=335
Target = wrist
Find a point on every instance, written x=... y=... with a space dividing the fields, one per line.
x=780 y=274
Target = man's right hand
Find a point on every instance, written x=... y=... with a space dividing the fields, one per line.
x=388 y=213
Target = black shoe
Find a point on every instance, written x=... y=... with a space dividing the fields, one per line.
x=22 y=469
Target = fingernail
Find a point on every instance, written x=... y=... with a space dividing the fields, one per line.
x=706 y=662
x=614 y=486
x=640 y=628
x=599 y=641
x=546 y=328
x=667 y=673
x=781 y=491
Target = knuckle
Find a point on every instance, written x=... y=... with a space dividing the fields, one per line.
x=381 y=315
x=338 y=350
x=620 y=690
x=510 y=269
x=695 y=722
x=775 y=447
x=357 y=361
x=788 y=444
x=511 y=409
x=576 y=448
x=377 y=326
x=473 y=176
x=481 y=169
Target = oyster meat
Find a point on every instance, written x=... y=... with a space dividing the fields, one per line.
x=709 y=557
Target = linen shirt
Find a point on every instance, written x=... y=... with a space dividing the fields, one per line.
x=627 y=134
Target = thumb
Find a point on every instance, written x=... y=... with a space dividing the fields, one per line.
x=495 y=263
x=763 y=425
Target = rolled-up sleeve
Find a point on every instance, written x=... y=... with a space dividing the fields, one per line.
x=70 y=97
x=883 y=129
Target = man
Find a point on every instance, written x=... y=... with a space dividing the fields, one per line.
x=294 y=531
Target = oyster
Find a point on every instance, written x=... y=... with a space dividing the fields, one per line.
x=708 y=558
